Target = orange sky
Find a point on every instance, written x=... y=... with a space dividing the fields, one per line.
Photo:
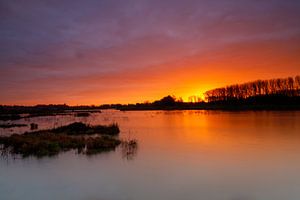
x=138 y=52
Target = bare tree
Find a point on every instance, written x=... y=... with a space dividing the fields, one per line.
x=281 y=86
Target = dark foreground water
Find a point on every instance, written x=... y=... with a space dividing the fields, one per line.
x=184 y=155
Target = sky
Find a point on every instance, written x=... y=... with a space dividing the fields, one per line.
x=128 y=51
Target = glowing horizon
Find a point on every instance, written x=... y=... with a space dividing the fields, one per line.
x=99 y=52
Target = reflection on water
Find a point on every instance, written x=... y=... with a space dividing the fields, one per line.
x=181 y=155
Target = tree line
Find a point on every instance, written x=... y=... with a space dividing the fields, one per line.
x=273 y=87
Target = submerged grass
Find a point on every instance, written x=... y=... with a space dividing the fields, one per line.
x=129 y=149
x=76 y=136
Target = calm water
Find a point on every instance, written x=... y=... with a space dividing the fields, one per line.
x=207 y=155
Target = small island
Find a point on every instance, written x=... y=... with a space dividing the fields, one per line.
x=77 y=136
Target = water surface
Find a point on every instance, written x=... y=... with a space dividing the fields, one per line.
x=209 y=155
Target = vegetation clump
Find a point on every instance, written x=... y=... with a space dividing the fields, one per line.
x=101 y=144
x=40 y=144
x=129 y=149
x=79 y=128
x=7 y=117
x=82 y=114
x=12 y=125
x=34 y=126
x=76 y=136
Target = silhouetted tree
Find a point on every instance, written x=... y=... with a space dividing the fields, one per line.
x=166 y=101
x=281 y=86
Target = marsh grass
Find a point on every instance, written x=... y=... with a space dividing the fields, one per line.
x=9 y=125
x=7 y=117
x=129 y=149
x=79 y=128
x=82 y=114
x=34 y=126
x=76 y=136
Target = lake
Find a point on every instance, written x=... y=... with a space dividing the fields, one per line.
x=181 y=155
